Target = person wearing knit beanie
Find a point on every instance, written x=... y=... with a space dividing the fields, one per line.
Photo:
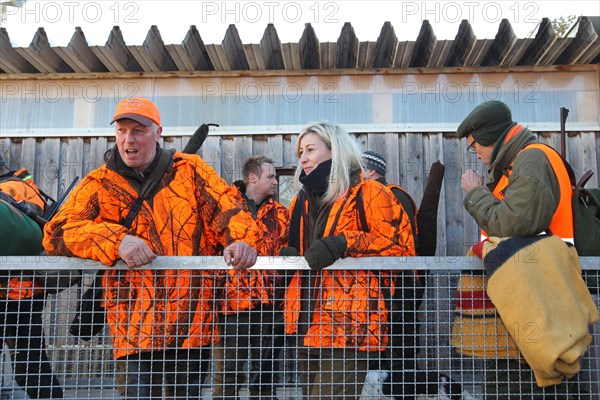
x=376 y=162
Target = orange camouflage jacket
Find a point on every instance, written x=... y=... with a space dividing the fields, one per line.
x=347 y=308
x=193 y=212
x=243 y=290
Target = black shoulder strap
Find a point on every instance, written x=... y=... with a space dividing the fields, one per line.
x=360 y=210
x=294 y=235
x=409 y=206
x=574 y=182
x=148 y=187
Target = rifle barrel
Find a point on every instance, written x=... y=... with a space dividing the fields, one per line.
x=564 y=113
x=24 y=208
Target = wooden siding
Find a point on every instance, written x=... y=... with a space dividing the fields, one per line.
x=55 y=162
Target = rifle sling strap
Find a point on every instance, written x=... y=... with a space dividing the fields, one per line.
x=149 y=185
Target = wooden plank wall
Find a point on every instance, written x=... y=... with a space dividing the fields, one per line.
x=55 y=162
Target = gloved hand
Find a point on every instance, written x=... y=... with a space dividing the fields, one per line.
x=324 y=252
x=477 y=248
x=289 y=252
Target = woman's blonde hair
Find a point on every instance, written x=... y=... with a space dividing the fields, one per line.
x=346 y=157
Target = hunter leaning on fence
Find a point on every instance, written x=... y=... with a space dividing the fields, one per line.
x=340 y=317
x=162 y=322
x=524 y=207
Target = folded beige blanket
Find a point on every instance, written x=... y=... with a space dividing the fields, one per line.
x=536 y=286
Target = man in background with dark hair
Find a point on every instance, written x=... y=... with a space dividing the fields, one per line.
x=250 y=322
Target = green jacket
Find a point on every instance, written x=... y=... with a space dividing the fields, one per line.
x=19 y=234
x=531 y=197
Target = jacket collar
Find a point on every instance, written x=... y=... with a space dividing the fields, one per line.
x=506 y=152
x=114 y=162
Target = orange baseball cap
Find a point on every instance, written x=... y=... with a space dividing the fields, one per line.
x=139 y=109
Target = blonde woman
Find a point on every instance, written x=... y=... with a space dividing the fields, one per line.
x=340 y=317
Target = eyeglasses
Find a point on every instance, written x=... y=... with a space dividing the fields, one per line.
x=471 y=148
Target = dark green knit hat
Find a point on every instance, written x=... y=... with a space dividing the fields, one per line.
x=486 y=123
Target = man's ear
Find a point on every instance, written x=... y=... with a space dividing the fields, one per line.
x=252 y=178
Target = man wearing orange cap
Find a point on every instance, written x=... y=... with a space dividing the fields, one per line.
x=161 y=321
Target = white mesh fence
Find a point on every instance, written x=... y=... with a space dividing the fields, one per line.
x=377 y=328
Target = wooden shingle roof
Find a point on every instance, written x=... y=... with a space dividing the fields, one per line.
x=192 y=54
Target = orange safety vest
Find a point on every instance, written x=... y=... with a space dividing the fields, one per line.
x=562 y=221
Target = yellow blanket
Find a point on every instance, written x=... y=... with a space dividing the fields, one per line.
x=537 y=288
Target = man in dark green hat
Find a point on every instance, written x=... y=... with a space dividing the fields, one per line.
x=527 y=192
x=482 y=128
x=522 y=192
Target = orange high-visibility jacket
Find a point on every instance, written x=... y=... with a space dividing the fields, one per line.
x=561 y=224
x=193 y=212
x=245 y=289
x=349 y=309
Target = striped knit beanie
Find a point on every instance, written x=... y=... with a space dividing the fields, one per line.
x=375 y=161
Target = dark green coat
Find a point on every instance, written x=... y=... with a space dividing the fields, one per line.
x=531 y=197
x=19 y=234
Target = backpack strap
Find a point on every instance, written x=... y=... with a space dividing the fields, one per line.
x=568 y=167
x=360 y=209
x=149 y=185
x=296 y=216
x=410 y=207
